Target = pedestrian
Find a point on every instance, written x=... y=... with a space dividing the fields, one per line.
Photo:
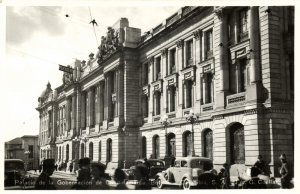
x=98 y=177
x=84 y=175
x=208 y=179
x=224 y=176
x=255 y=182
x=141 y=173
x=260 y=165
x=71 y=167
x=44 y=182
x=284 y=172
x=120 y=177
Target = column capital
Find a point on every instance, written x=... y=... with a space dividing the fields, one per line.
x=164 y=52
x=179 y=43
x=151 y=60
x=197 y=34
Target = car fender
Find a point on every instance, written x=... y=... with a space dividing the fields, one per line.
x=162 y=178
x=189 y=177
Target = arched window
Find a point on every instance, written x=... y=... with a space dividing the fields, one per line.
x=171 y=145
x=91 y=151
x=237 y=144
x=82 y=151
x=187 y=141
x=109 y=150
x=208 y=143
x=144 y=147
x=67 y=152
x=100 y=150
x=155 y=150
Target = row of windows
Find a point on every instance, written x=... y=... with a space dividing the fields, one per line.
x=172 y=61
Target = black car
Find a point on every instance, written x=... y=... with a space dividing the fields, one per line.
x=155 y=166
x=14 y=172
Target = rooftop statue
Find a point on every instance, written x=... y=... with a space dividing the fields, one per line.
x=109 y=44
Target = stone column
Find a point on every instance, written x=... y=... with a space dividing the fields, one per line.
x=73 y=116
x=254 y=45
x=97 y=104
x=238 y=77
x=101 y=101
x=54 y=121
x=254 y=91
x=67 y=115
x=179 y=52
x=184 y=55
x=185 y=93
x=78 y=112
x=151 y=100
x=168 y=94
x=223 y=59
x=204 y=81
x=83 y=110
x=91 y=107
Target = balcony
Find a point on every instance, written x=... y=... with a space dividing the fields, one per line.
x=236 y=98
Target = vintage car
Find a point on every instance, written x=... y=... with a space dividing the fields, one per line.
x=155 y=166
x=14 y=172
x=185 y=172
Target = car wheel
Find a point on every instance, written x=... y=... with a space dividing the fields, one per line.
x=159 y=183
x=186 y=184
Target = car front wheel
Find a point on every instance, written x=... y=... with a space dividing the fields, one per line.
x=186 y=184
x=159 y=183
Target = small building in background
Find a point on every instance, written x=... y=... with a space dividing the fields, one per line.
x=25 y=148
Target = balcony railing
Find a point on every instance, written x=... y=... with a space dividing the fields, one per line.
x=236 y=98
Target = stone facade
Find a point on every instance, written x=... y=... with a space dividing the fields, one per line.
x=232 y=68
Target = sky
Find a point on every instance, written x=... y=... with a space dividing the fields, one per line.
x=38 y=38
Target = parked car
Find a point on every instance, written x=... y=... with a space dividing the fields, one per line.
x=185 y=173
x=155 y=166
x=14 y=172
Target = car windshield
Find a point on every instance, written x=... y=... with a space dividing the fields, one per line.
x=203 y=164
x=14 y=165
x=156 y=163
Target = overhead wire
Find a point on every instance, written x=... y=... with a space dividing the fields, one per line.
x=94 y=27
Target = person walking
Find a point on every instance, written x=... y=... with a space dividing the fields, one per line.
x=120 y=177
x=44 y=182
x=284 y=172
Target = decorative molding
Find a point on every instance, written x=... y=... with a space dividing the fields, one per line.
x=218 y=117
x=197 y=34
x=179 y=43
x=164 y=52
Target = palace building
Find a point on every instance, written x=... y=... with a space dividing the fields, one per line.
x=208 y=81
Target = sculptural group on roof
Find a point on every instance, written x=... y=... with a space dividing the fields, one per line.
x=109 y=44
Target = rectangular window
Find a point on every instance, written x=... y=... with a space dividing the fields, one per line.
x=172 y=61
x=243 y=24
x=30 y=149
x=157 y=65
x=189 y=52
x=209 y=44
x=243 y=74
x=145 y=73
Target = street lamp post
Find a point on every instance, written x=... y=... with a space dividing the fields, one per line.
x=126 y=133
x=75 y=162
x=165 y=122
x=192 y=118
